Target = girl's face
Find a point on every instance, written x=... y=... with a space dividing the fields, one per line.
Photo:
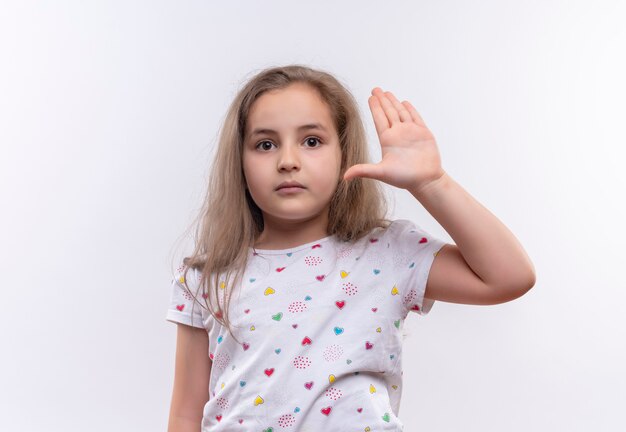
x=290 y=137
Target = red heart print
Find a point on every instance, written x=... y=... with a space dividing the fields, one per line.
x=247 y=311
x=374 y=309
x=320 y=277
x=279 y=269
x=218 y=314
x=246 y=346
x=211 y=356
x=294 y=325
x=368 y=345
x=218 y=417
x=316 y=246
x=269 y=372
x=415 y=308
x=240 y=421
x=306 y=341
x=308 y=385
x=180 y=307
x=423 y=240
x=373 y=240
x=326 y=410
x=359 y=409
x=340 y=304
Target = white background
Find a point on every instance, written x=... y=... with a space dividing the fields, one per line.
x=109 y=112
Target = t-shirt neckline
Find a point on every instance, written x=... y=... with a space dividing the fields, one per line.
x=291 y=249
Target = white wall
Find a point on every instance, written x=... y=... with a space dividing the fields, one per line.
x=109 y=111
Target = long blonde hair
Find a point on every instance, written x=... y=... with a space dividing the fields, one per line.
x=229 y=221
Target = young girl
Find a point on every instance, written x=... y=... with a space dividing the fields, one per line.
x=293 y=231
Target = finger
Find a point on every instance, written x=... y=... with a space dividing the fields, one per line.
x=380 y=119
x=390 y=111
x=364 y=170
x=403 y=113
x=414 y=114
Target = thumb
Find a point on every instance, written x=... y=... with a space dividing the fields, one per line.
x=363 y=170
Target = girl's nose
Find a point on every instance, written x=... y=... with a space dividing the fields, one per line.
x=288 y=159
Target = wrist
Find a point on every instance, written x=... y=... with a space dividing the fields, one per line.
x=431 y=187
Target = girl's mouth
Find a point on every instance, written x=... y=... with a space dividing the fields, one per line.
x=290 y=190
x=289 y=184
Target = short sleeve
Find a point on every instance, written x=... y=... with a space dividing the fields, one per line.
x=182 y=308
x=414 y=251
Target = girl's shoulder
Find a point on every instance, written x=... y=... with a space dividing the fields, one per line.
x=402 y=233
x=397 y=227
x=185 y=274
x=392 y=233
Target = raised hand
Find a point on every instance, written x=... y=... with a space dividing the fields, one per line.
x=410 y=157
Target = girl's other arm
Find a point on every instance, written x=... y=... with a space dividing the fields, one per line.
x=487 y=265
x=191 y=379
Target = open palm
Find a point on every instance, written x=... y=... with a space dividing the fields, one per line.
x=410 y=157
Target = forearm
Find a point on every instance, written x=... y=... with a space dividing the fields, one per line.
x=487 y=245
x=183 y=424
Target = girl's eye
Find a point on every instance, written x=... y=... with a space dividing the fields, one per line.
x=261 y=144
x=310 y=142
x=314 y=139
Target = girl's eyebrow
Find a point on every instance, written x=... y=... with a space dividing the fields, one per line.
x=260 y=131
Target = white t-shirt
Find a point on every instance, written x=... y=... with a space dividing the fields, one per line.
x=321 y=331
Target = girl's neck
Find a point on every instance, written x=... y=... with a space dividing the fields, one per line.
x=284 y=235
